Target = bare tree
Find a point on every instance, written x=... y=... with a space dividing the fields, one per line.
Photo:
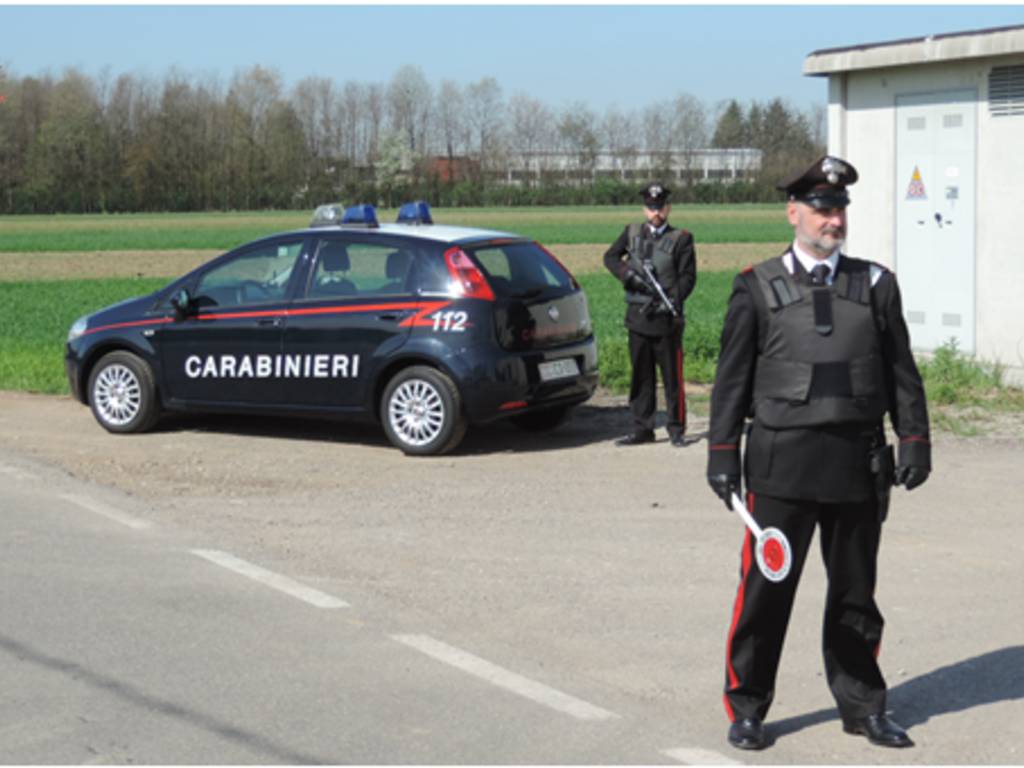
x=531 y=131
x=451 y=127
x=619 y=134
x=578 y=138
x=689 y=132
x=484 y=113
x=409 y=99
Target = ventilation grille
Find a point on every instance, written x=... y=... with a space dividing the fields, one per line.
x=1006 y=91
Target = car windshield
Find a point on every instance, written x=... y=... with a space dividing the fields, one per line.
x=521 y=270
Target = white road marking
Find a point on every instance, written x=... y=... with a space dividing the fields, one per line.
x=108 y=512
x=20 y=474
x=503 y=678
x=271 y=579
x=693 y=756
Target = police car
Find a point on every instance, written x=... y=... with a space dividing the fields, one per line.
x=422 y=327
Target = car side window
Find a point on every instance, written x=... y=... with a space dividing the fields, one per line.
x=359 y=269
x=256 y=276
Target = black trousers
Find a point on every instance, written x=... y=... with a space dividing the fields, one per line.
x=646 y=353
x=852 y=629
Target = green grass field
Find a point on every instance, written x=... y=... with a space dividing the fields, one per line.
x=170 y=231
x=35 y=314
x=35 y=317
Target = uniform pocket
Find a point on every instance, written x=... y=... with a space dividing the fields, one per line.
x=760 y=448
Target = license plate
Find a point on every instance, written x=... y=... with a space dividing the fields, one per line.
x=558 y=369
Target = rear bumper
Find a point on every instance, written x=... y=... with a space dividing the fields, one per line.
x=498 y=384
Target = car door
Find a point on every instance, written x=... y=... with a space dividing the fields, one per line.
x=349 y=317
x=228 y=350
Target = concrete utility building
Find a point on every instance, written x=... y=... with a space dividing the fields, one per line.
x=935 y=126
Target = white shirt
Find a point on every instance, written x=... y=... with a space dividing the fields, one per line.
x=659 y=231
x=808 y=262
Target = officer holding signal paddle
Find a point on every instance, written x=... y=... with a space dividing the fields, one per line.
x=815 y=350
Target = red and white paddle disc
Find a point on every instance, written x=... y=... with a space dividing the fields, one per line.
x=774 y=557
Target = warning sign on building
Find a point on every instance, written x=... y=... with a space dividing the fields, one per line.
x=916 y=189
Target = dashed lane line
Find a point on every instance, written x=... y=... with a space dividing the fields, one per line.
x=107 y=511
x=693 y=756
x=19 y=474
x=269 y=578
x=503 y=678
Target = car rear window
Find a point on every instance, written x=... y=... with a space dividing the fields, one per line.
x=520 y=269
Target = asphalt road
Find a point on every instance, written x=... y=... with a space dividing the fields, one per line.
x=221 y=593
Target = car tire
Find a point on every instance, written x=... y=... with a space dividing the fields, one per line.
x=122 y=393
x=421 y=411
x=543 y=421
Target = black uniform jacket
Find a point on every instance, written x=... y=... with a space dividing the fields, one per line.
x=827 y=463
x=683 y=256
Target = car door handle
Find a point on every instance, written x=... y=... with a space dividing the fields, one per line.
x=269 y=321
x=390 y=315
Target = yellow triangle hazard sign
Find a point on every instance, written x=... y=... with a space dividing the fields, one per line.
x=916 y=189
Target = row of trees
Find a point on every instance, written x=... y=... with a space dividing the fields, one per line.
x=128 y=143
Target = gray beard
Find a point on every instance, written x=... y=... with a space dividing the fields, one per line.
x=819 y=246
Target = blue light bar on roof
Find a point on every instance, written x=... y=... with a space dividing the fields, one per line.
x=361 y=216
x=417 y=212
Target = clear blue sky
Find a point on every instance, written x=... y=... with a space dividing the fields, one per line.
x=601 y=55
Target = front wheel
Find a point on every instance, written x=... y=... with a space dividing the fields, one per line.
x=122 y=393
x=422 y=412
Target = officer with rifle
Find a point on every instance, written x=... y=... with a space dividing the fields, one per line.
x=656 y=264
x=816 y=351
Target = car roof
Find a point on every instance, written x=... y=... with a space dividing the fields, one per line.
x=441 y=233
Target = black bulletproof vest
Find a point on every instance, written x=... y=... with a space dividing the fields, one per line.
x=660 y=252
x=820 y=359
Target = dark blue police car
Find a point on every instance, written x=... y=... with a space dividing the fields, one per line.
x=425 y=328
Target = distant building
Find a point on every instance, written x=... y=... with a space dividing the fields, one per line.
x=694 y=166
x=935 y=126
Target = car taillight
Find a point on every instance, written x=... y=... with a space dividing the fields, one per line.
x=554 y=258
x=467 y=279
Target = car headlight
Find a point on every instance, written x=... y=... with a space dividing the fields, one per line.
x=77 y=328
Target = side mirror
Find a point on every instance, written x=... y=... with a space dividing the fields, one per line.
x=182 y=303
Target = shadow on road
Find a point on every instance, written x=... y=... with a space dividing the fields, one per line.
x=986 y=679
x=588 y=424
x=259 y=745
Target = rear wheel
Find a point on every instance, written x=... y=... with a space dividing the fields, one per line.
x=543 y=421
x=422 y=411
x=122 y=393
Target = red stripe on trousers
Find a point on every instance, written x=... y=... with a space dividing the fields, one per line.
x=748 y=540
x=682 y=388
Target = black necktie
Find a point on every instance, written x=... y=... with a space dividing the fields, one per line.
x=820 y=274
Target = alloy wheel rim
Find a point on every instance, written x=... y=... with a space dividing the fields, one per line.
x=416 y=412
x=117 y=394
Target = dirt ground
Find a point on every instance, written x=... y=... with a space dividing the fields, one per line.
x=218 y=455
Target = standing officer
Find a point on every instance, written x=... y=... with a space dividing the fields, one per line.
x=657 y=266
x=815 y=348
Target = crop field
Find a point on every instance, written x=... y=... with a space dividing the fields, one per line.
x=54 y=269
x=177 y=231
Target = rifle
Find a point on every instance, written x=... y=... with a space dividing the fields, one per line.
x=652 y=282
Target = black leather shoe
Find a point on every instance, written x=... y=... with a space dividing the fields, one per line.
x=880 y=730
x=637 y=438
x=748 y=733
x=681 y=441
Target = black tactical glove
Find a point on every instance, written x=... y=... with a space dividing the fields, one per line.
x=724 y=487
x=911 y=477
x=636 y=283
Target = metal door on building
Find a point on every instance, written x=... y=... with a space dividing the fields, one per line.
x=935 y=201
